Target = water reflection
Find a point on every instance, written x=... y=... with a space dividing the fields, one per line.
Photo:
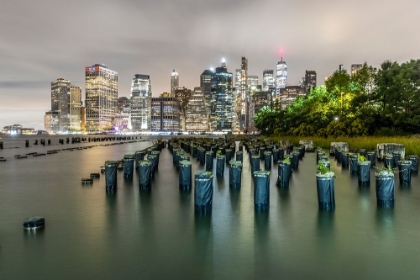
x=203 y=249
x=234 y=199
x=385 y=219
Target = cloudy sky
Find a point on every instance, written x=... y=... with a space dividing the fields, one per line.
x=46 y=39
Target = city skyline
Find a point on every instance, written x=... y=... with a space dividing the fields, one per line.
x=35 y=52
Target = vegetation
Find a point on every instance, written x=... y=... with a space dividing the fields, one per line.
x=322 y=168
x=372 y=102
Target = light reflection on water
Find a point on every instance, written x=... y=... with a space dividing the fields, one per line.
x=156 y=235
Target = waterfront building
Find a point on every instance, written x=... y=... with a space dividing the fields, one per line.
x=174 y=82
x=281 y=76
x=101 y=85
x=75 y=105
x=141 y=98
x=223 y=101
x=60 y=99
x=165 y=114
x=122 y=117
x=17 y=129
x=183 y=95
x=196 y=118
x=355 y=68
x=52 y=121
x=268 y=79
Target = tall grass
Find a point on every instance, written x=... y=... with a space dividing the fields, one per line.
x=412 y=145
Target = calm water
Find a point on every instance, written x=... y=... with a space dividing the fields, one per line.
x=132 y=235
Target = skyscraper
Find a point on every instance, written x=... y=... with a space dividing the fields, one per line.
x=268 y=79
x=141 y=102
x=75 y=105
x=205 y=85
x=165 y=114
x=101 y=85
x=241 y=84
x=222 y=114
x=310 y=80
x=60 y=99
x=252 y=80
x=174 y=82
x=196 y=113
x=281 y=76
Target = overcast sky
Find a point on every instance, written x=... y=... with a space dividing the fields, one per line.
x=46 y=39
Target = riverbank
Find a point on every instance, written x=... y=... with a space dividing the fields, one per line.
x=412 y=145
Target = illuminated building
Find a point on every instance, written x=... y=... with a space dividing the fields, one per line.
x=355 y=68
x=165 y=114
x=205 y=85
x=289 y=94
x=101 y=85
x=83 y=118
x=281 y=76
x=310 y=80
x=268 y=79
x=141 y=98
x=52 y=121
x=183 y=95
x=75 y=105
x=122 y=118
x=196 y=118
x=60 y=98
x=252 y=80
x=174 y=82
x=223 y=101
x=241 y=85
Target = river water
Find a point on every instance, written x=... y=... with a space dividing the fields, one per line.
x=133 y=235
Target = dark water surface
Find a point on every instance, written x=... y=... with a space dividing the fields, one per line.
x=132 y=235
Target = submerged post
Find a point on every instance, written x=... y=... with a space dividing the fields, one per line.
x=203 y=192
x=261 y=190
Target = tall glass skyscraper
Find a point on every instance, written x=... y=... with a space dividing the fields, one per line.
x=222 y=114
x=141 y=102
x=60 y=100
x=268 y=79
x=101 y=85
x=281 y=76
x=75 y=105
x=174 y=82
x=241 y=85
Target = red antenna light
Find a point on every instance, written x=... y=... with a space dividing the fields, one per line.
x=281 y=53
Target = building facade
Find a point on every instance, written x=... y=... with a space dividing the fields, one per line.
x=75 y=105
x=165 y=114
x=268 y=79
x=205 y=85
x=141 y=98
x=60 y=102
x=310 y=80
x=241 y=85
x=196 y=118
x=223 y=101
x=281 y=76
x=289 y=94
x=101 y=85
x=52 y=121
x=355 y=68
x=174 y=82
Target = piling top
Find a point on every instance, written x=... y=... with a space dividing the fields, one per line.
x=144 y=163
x=185 y=163
x=235 y=163
x=261 y=173
x=255 y=156
x=209 y=153
x=240 y=152
x=267 y=153
x=155 y=152
x=110 y=162
x=129 y=157
x=413 y=156
x=384 y=173
x=203 y=175
x=366 y=162
x=405 y=162
x=220 y=156
x=325 y=176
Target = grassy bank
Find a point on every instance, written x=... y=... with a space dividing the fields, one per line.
x=412 y=145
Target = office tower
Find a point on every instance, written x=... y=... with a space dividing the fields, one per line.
x=60 y=98
x=241 y=85
x=196 y=118
x=222 y=107
x=122 y=117
x=52 y=121
x=174 y=82
x=268 y=79
x=281 y=76
x=355 y=68
x=183 y=95
x=289 y=94
x=205 y=85
x=310 y=80
x=252 y=80
x=141 y=98
x=165 y=114
x=101 y=85
x=75 y=105
x=83 y=118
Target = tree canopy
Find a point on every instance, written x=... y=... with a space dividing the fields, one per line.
x=384 y=101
